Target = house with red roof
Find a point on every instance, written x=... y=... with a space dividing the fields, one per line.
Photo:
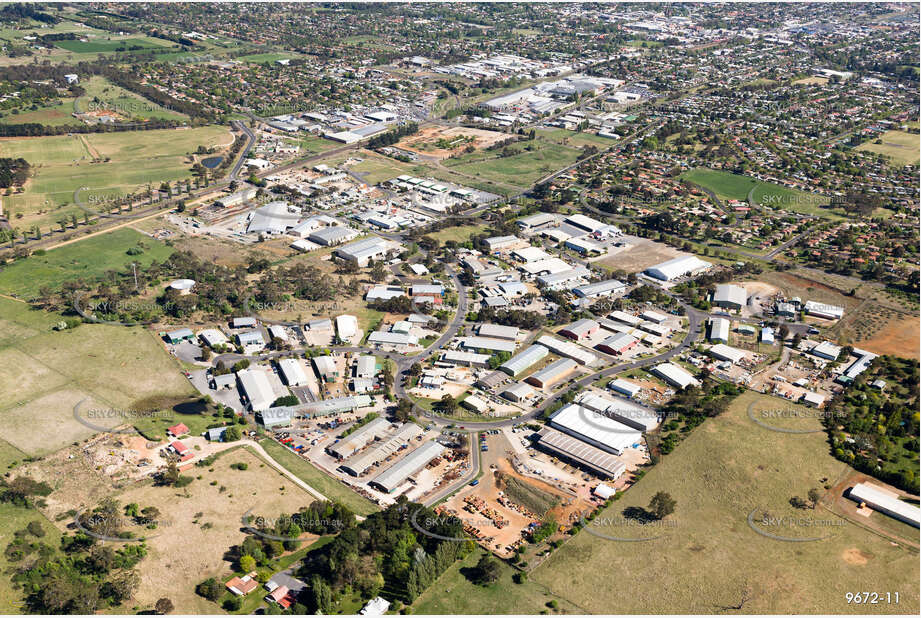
x=177 y=430
x=179 y=448
x=242 y=586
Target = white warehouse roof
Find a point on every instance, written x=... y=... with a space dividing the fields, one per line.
x=677 y=267
x=595 y=429
x=674 y=375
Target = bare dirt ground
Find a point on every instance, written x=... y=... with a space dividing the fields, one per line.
x=424 y=142
x=899 y=338
x=640 y=255
x=496 y=460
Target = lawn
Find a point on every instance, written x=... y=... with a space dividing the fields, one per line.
x=575 y=138
x=96 y=46
x=899 y=146
x=267 y=57
x=50 y=373
x=459 y=234
x=47 y=373
x=86 y=259
x=453 y=593
x=326 y=485
x=520 y=170
x=729 y=186
x=107 y=164
x=708 y=558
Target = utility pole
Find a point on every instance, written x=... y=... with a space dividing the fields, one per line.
x=135 y=271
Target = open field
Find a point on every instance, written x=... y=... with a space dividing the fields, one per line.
x=806 y=81
x=708 y=559
x=54 y=114
x=900 y=147
x=108 y=164
x=731 y=186
x=899 y=338
x=458 y=234
x=112 y=44
x=267 y=57
x=642 y=254
x=575 y=138
x=86 y=259
x=323 y=483
x=102 y=95
x=442 y=142
x=453 y=593
x=207 y=518
x=47 y=373
x=519 y=170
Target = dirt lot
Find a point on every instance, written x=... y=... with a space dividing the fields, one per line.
x=638 y=256
x=425 y=141
x=496 y=459
x=900 y=338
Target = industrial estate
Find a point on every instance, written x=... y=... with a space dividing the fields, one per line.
x=459 y=308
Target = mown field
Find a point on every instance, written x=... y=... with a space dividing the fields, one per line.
x=108 y=164
x=729 y=186
x=109 y=45
x=85 y=259
x=899 y=146
x=708 y=559
x=47 y=373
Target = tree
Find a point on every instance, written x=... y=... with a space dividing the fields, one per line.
x=662 y=505
x=448 y=404
x=814 y=496
x=211 y=589
x=321 y=595
x=232 y=434
x=247 y=564
x=486 y=570
x=163 y=606
x=798 y=503
x=378 y=272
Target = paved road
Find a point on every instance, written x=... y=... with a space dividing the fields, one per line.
x=250 y=142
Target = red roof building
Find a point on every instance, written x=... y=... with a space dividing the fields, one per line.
x=178 y=447
x=177 y=430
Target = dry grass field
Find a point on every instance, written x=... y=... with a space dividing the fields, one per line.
x=640 y=255
x=202 y=521
x=900 y=147
x=46 y=373
x=709 y=560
